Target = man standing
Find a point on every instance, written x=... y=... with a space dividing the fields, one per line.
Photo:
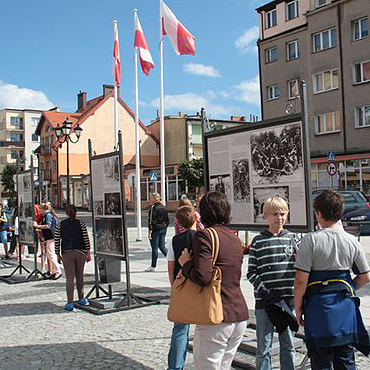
x=325 y=293
x=3 y=230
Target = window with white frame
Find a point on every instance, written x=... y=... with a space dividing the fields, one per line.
x=291 y=10
x=363 y=116
x=270 y=19
x=35 y=121
x=293 y=90
x=273 y=92
x=292 y=50
x=325 y=81
x=319 y=3
x=16 y=137
x=35 y=137
x=324 y=40
x=271 y=55
x=16 y=121
x=361 y=29
x=327 y=123
x=362 y=72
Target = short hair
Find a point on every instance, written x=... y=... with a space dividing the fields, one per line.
x=185 y=202
x=156 y=196
x=215 y=209
x=71 y=211
x=185 y=215
x=275 y=204
x=330 y=203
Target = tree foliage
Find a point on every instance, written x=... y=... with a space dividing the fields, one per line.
x=7 y=180
x=192 y=171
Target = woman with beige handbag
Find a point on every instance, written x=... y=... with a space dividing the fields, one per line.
x=215 y=345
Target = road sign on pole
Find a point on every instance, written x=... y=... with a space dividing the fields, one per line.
x=331 y=156
x=153 y=176
x=332 y=168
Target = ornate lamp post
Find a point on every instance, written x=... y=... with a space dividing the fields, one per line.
x=63 y=134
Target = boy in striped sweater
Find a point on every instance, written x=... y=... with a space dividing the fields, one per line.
x=271 y=271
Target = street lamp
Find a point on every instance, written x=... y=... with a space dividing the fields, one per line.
x=63 y=134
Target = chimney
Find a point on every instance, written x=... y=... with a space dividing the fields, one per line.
x=81 y=100
x=107 y=89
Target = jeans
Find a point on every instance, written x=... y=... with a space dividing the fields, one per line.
x=341 y=357
x=158 y=240
x=178 y=346
x=265 y=333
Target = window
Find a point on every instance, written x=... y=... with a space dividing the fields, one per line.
x=325 y=81
x=15 y=154
x=363 y=116
x=327 y=122
x=324 y=40
x=292 y=50
x=16 y=137
x=273 y=92
x=35 y=137
x=293 y=90
x=360 y=29
x=362 y=72
x=292 y=10
x=54 y=165
x=271 y=55
x=35 y=121
x=319 y=3
x=16 y=121
x=271 y=19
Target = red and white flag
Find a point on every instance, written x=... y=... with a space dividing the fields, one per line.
x=116 y=61
x=146 y=59
x=181 y=39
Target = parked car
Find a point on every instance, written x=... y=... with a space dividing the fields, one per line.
x=360 y=216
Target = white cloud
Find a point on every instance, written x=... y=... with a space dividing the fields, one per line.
x=201 y=69
x=13 y=96
x=249 y=91
x=191 y=103
x=247 y=41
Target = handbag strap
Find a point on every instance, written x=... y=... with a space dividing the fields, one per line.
x=215 y=244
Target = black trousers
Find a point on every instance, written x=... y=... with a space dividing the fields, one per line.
x=339 y=358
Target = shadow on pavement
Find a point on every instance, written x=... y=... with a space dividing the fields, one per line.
x=86 y=355
x=27 y=309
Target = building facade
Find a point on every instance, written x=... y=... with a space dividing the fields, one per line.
x=326 y=43
x=18 y=140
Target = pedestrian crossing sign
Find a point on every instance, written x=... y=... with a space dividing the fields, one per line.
x=153 y=176
x=331 y=157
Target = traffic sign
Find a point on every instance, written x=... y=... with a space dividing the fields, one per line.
x=331 y=156
x=332 y=168
x=153 y=176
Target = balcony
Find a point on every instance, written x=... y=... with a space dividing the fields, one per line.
x=12 y=144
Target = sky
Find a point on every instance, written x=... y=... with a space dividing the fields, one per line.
x=51 y=49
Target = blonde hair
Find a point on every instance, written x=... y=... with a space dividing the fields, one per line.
x=275 y=204
x=156 y=196
x=44 y=206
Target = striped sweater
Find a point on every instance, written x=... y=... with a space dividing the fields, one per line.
x=271 y=264
x=71 y=234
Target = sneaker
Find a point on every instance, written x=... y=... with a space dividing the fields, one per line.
x=83 y=301
x=69 y=307
x=150 y=269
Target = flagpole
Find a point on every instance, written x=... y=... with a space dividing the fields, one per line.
x=115 y=29
x=161 y=111
x=137 y=144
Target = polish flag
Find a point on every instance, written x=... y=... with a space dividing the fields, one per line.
x=117 y=61
x=181 y=39
x=146 y=60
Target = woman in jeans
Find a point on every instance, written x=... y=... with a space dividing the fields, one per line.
x=72 y=246
x=215 y=345
x=157 y=224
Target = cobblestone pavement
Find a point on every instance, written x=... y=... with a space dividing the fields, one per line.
x=37 y=334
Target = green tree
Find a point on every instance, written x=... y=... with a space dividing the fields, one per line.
x=192 y=171
x=7 y=181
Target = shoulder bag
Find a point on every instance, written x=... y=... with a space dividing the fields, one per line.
x=191 y=303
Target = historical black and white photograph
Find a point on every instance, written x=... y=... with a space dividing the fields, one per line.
x=20 y=207
x=111 y=168
x=221 y=183
x=112 y=204
x=98 y=207
x=109 y=236
x=261 y=194
x=277 y=155
x=25 y=232
x=28 y=210
x=241 y=181
x=26 y=183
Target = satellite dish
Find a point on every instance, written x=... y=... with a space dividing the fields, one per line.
x=289 y=108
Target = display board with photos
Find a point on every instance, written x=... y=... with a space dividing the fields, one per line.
x=255 y=161
x=25 y=207
x=107 y=204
